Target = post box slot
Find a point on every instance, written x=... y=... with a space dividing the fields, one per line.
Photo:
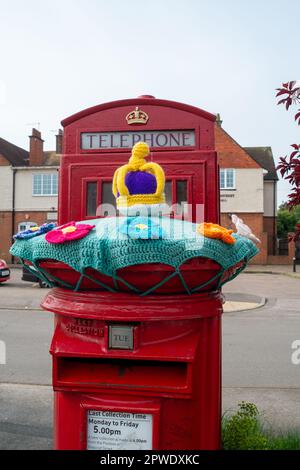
x=122 y=373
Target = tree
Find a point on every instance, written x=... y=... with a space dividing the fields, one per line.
x=289 y=166
x=286 y=221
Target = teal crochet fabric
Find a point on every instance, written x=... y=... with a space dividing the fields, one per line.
x=107 y=249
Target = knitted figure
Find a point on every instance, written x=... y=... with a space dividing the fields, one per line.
x=139 y=185
x=243 y=230
x=216 y=231
x=68 y=232
x=34 y=231
x=143 y=228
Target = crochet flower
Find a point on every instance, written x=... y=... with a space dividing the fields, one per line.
x=216 y=231
x=141 y=228
x=34 y=231
x=68 y=232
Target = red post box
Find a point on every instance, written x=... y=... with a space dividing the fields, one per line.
x=132 y=372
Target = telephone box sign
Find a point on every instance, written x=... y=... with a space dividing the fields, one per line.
x=118 y=430
x=124 y=140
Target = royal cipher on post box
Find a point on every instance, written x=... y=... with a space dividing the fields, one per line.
x=137 y=341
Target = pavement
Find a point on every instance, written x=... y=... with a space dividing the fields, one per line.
x=238 y=302
x=257 y=352
x=285 y=270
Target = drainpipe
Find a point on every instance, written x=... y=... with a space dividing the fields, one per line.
x=274 y=218
x=13 y=212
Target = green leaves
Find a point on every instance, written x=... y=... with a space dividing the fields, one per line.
x=242 y=431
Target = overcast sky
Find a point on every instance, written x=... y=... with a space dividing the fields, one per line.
x=226 y=56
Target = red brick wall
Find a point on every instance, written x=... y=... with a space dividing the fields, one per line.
x=5 y=235
x=255 y=222
x=3 y=161
x=38 y=217
x=230 y=153
x=36 y=154
x=6 y=228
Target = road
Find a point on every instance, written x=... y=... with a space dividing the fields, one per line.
x=257 y=343
x=256 y=357
x=26 y=331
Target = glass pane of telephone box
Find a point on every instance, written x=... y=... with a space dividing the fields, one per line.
x=168 y=192
x=181 y=195
x=91 y=199
x=181 y=192
x=108 y=200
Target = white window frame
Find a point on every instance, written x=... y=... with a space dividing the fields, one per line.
x=42 y=194
x=27 y=225
x=225 y=170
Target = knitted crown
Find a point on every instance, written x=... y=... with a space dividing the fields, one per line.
x=138 y=182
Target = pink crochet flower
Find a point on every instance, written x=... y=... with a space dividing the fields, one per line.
x=68 y=232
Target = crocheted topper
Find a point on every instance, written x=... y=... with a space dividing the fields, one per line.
x=139 y=184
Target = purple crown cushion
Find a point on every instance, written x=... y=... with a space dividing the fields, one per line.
x=140 y=182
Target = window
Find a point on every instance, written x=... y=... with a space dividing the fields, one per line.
x=176 y=193
x=180 y=188
x=168 y=192
x=107 y=196
x=181 y=192
x=227 y=178
x=45 y=184
x=91 y=198
x=108 y=200
x=26 y=226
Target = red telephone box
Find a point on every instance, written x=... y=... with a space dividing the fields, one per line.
x=133 y=372
x=98 y=140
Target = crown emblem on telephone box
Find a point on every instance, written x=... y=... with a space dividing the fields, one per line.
x=137 y=117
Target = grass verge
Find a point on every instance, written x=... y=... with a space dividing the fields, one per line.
x=244 y=430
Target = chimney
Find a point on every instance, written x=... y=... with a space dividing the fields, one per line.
x=59 y=141
x=36 y=148
x=218 y=120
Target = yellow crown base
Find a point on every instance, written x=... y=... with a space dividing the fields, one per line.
x=142 y=210
x=136 y=199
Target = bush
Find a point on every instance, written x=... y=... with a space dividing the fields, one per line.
x=243 y=431
x=286 y=222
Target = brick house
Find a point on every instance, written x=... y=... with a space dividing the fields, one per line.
x=264 y=157
x=248 y=182
x=29 y=187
